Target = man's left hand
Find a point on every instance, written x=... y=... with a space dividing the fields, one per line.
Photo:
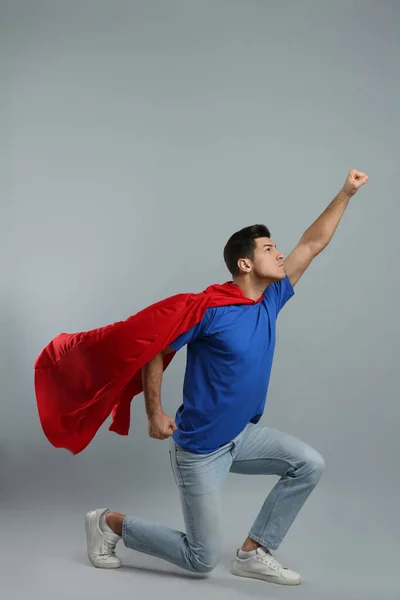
x=355 y=179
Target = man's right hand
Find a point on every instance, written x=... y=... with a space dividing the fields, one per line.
x=161 y=426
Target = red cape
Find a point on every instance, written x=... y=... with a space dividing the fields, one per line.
x=81 y=378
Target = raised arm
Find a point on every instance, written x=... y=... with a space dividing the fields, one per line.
x=320 y=233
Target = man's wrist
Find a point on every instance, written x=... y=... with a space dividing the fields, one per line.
x=345 y=195
x=156 y=412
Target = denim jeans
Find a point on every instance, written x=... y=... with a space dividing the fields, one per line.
x=257 y=450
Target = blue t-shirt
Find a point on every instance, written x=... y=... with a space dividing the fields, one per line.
x=228 y=367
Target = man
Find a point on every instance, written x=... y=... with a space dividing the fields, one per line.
x=216 y=430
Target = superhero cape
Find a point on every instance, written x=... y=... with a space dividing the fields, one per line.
x=82 y=378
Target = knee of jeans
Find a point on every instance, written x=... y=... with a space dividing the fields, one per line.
x=311 y=464
x=200 y=567
x=205 y=562
x=316 y=464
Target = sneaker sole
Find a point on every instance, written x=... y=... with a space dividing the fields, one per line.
x=269 y=578
x=90 y=520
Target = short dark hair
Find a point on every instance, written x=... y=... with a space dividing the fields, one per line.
x=242 y=245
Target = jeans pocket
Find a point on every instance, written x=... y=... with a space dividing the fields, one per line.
x=174 y=469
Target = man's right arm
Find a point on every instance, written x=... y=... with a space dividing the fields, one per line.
x=161 y=426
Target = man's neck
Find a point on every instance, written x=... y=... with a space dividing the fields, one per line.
x=251 y=289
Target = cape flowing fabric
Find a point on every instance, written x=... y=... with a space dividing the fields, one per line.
x=81 y=379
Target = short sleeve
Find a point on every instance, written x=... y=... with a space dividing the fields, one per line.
x=278 y=293
x=192 y=334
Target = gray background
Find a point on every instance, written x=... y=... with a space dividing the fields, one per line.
x=136 y=137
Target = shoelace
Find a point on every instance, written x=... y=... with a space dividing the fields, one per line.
x=108 y=547
x=271 y=562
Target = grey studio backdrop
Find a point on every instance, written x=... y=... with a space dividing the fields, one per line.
x=137 y=136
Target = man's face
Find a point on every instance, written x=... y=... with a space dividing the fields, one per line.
x=267 y=262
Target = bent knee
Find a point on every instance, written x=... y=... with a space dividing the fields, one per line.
x=316 y=464
x=320 y=464
x=204 y=563
x=312 y=463
x=201 y=567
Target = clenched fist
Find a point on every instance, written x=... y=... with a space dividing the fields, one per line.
x=355 y=179
x=161 y=426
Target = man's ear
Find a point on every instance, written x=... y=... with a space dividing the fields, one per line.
x=244 y=265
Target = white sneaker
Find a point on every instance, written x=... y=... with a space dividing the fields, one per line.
x=262 y=565
x=101 y=543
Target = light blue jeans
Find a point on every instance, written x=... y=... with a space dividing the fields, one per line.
x=257 y=450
